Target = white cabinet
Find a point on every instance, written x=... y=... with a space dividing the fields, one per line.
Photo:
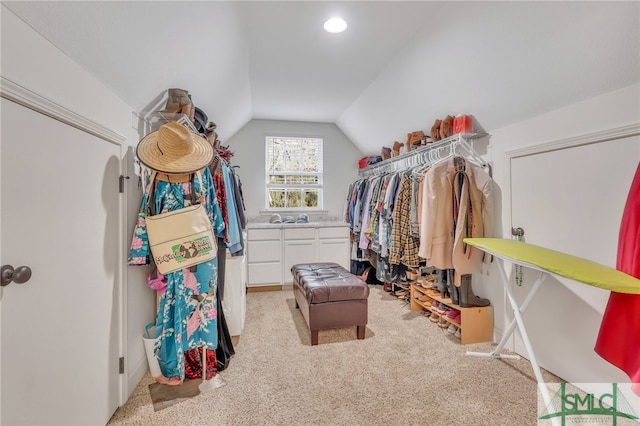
x=299 y=247
x=333 y=246
x=234 y=303
x=273 y=251
x=264 y=251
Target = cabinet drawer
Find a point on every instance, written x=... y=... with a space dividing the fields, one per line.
x=264 y=234
x=334 y=232
x=265 y=273
x=300 y=234
x=264 y=251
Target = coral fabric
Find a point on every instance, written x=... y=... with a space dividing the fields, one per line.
x=619 y=337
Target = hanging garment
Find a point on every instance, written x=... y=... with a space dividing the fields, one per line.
x=193 y=363
x=386 y=215
x=225 y=349
x=446 y=221
x=619 y=337
x=416 y=182
x=187 y=310
x=236 y=243
x=473 y=217
x=404 y=246
x=365 y=230
x=225 y=346
x=221 y=193
x=239 y=199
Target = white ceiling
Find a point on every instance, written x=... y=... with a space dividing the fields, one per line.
x=398 y=67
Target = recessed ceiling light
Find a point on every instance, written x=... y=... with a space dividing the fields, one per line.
x=335 y=25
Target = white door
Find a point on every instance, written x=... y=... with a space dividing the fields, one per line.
x=60 y=217
x=571 y=200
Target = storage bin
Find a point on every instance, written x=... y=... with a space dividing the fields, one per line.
x=148 y=338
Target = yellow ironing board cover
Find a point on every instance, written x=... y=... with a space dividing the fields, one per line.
x=566 y=265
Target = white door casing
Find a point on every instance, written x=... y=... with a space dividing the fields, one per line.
x=62 y=330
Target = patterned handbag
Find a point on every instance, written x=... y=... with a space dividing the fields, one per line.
x=181 y=238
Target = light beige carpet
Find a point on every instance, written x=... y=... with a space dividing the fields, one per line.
x=407 y=371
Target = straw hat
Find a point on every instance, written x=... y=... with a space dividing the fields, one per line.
x=173 y=149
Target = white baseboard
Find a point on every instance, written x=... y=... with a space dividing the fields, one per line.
x=136 y=373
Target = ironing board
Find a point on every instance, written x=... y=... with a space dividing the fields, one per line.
x=547 y=262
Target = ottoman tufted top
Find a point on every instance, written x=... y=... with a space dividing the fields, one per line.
x=328 y=282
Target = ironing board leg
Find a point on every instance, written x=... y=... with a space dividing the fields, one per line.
x=517 y=320
x=512 y=326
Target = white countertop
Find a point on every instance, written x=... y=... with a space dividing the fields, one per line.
x=325 y=224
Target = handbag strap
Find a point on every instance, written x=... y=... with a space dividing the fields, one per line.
x=150 y=207
x=147 y=194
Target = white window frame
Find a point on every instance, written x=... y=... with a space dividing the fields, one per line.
x=297 y=187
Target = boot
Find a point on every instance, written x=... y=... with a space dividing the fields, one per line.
x=396 y=149
x=386 y=153
x=446 y=127
x=414 y=139
x=453 y=290
x=466 y=297
x=435 y=130
x=442 y=283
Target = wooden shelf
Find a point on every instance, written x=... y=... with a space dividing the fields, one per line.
x=476 y=323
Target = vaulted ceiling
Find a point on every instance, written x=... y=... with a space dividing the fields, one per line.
x=397 y=67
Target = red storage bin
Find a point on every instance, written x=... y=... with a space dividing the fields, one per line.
x=463 y=124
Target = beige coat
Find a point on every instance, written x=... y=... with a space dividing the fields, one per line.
x=438 y=244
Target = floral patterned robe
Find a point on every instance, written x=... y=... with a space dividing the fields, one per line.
x=187 y=311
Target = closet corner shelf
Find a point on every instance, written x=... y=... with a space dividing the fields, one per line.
x=158 y=118
x=418 y=156
x=476 y=323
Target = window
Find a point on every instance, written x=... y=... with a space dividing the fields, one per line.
x=294 y=173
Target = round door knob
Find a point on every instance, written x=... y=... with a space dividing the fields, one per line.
x=20 y=275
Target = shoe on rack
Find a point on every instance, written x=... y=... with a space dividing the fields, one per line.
x=458 y=319
x=446 y=127
x=452 y=329
x=458 y=334
x=435 y=317
x=467 y=297
x=401 y=293
x=453 y=290
x=435 y=130
x=452 y=313
x=414 y=139
x=386 y=153
x=395 y=151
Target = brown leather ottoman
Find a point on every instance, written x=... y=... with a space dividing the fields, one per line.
x=329 y=296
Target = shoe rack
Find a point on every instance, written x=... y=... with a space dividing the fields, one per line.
x=476 y=323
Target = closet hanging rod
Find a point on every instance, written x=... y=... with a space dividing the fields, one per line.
x=412 y=158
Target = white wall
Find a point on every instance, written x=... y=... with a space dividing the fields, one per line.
x=340 y=160
x=32 y=62
x=500 y=61
x=612 y=110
